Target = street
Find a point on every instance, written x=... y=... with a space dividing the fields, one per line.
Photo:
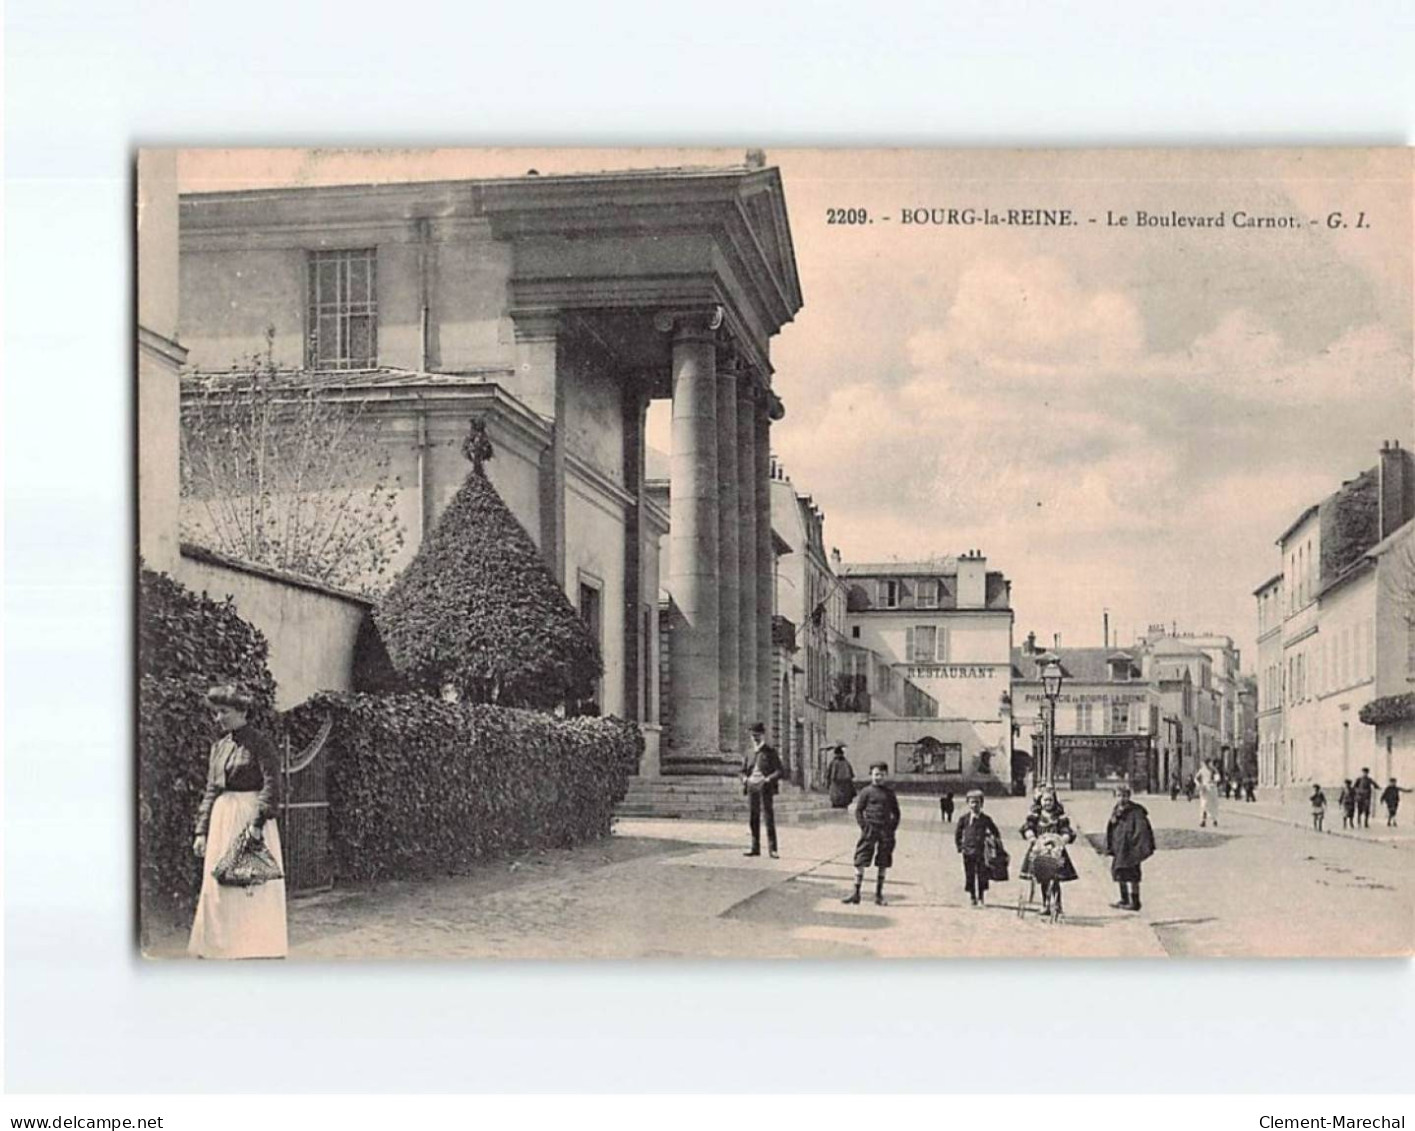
x=668 y=889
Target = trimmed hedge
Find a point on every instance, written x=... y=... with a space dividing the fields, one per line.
x=1389 y=709
x=418 y=786
x=186 y=643
x=478 y=608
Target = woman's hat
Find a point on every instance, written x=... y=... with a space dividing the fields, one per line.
x=230 y=695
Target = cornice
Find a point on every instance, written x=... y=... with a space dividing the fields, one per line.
x=165 y=349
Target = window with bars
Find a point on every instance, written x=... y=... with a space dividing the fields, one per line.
x=343 y=310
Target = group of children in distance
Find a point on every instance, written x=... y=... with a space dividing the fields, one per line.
x=1355 y=801
x=1129 y=839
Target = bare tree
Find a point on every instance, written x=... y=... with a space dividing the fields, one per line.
x=278 y=471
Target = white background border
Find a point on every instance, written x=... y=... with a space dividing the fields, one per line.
x=86 y=83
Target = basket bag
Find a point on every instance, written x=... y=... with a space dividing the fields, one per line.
x=246 y=863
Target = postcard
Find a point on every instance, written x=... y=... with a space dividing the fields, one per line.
x=805 y=554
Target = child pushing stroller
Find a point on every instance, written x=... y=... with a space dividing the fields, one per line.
x=1047 y=864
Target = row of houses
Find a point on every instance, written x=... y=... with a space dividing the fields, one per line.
x=1336 y=636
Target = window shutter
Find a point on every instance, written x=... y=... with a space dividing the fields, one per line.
x=909 y=645
x=941 y=646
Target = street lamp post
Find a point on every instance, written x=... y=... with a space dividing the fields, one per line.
x=1051 y=688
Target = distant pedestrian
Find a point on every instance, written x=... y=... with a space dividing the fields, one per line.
x=1319 y=807
x=1189 y=788
x=1174 y=788
x=1390 y=798
x=761 y=771
x=1250 y=786
x=970 y=837
x=840 y=775
x=1365 y=788
x=1347 y=800
x=945 y=806
x=877 y=814
x=1206 y=780
x=1227 y=788
x=1129 y=842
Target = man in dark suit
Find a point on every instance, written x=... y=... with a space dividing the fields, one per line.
x=761 y=771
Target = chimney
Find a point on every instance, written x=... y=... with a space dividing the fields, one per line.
x=1105 y=627
x=972 y=581
x=1031 y=646
x=1396 y=488
x=1056 y=642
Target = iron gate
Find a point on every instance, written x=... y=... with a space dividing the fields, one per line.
x=304 y=823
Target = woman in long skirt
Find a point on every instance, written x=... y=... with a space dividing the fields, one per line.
x=242 y=798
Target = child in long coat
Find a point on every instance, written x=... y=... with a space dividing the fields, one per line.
x=1129 y=842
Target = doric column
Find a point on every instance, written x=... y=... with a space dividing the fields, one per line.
x=766 y=560
x=747 y=554
x=729 y=557
x=539 y=386
x=693 y=539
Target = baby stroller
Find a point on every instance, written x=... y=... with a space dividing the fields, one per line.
x=1044 y=868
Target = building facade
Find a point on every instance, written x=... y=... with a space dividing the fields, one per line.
x=1391 y=714
x=555 y=308
x=1272 y=742
x=1108 y=716
x=811 y=598
x=1330 y=596
x=941 y=631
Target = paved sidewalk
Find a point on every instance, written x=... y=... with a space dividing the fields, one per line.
x=1300 y=816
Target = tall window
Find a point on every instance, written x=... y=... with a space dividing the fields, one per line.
x=1119 y=718
x=1084 y=720
x=592 y=614
x=343 y=310
x=889 y=594
x=928 y=593
x=923 y=646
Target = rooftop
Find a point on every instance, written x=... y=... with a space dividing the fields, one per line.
x=1081 y=665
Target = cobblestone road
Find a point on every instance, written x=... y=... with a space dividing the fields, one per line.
x=673 y=889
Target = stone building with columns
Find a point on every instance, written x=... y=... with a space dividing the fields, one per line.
x=555 y=308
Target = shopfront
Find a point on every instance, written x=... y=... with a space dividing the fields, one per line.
x=1103 y=761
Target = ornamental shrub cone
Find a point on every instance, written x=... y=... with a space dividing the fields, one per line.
x=478 y=609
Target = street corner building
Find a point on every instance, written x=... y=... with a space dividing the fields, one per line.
x=554 y=309
x=926 y=681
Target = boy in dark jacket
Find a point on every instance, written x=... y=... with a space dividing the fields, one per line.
x=877 y=813
x=970 y=837
x=1390 y=798
x=1129 y=842
x=1347 y=800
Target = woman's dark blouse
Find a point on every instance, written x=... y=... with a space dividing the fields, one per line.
x=252 y=767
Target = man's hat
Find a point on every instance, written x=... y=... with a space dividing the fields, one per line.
x=757 y=728
x=972 y=793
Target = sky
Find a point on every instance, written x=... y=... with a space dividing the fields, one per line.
x=1120 y=418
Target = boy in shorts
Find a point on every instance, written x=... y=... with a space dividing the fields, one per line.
x=877 y=813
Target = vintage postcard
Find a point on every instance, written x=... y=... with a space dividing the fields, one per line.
x=775 y=554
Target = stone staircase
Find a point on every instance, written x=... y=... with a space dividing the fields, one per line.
x=715 y=798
